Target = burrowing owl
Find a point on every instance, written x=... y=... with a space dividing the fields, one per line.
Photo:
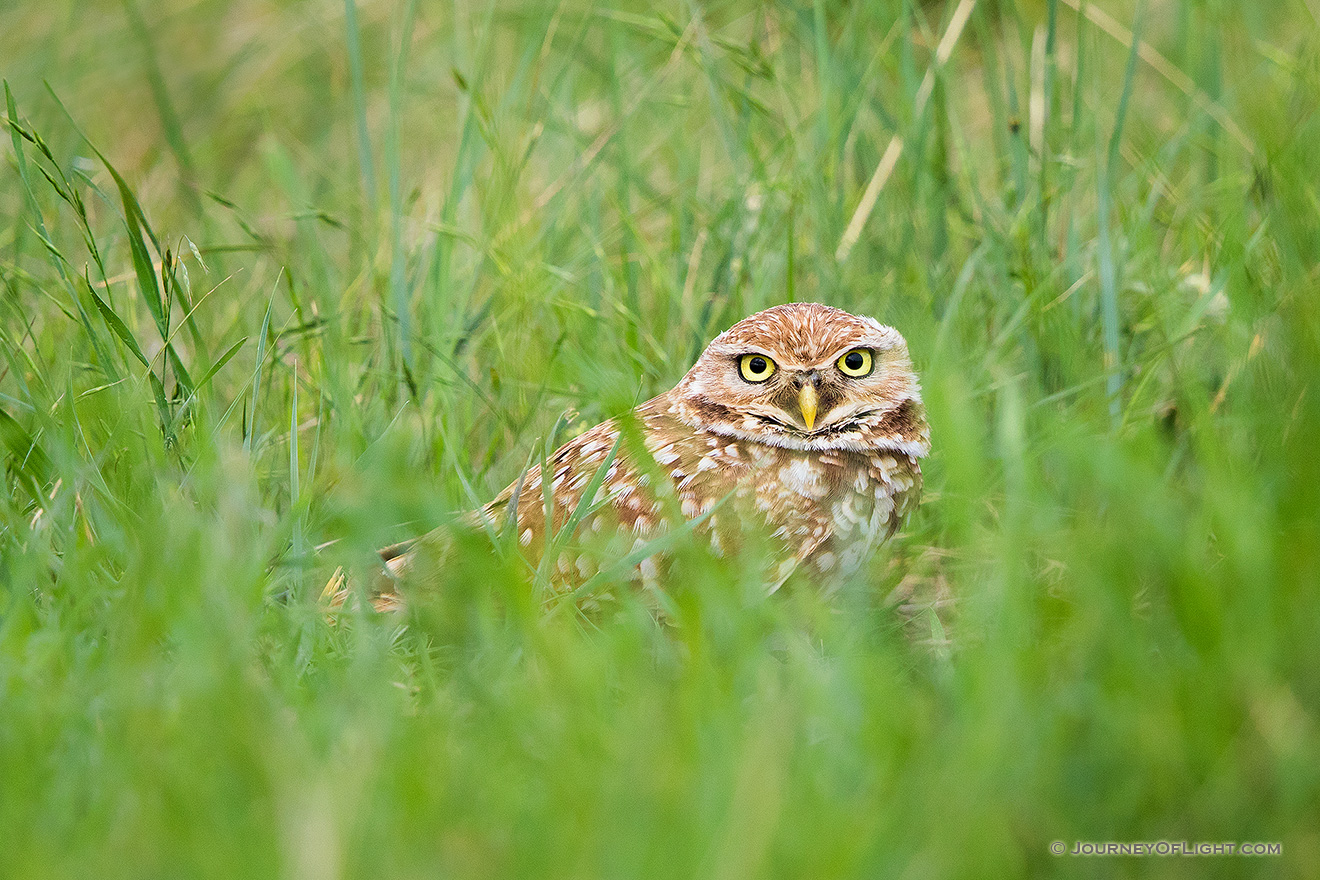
x=802 y=422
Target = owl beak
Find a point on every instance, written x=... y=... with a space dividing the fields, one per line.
x=807 y=401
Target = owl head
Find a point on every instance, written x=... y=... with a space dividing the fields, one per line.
x=807 y=376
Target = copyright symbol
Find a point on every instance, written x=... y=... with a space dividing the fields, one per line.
x=1057 y=847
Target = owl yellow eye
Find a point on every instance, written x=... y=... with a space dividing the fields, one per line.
x=756 y=367
x=856 y=363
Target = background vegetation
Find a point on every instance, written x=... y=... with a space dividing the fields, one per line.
x=278 y=275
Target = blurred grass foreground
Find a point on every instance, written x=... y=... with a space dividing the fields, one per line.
x=284 y=282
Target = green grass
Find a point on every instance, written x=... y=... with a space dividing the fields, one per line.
x=274 y=276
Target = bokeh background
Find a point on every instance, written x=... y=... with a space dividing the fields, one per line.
x=284 y=282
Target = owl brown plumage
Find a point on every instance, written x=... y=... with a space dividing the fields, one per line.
x=803 y=422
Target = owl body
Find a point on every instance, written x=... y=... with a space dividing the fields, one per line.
x=802 y=423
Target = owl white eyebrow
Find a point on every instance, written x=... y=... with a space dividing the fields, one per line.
x=871 y=347
x=735 y=358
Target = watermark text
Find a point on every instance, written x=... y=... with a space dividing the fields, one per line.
x=1104 y=848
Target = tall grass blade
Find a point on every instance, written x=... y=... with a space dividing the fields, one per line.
x=398 y=287
x=293 y=440
x=1108 y=261
x=171 y=125
x=210 y=374
x=366 y=164
x=30 y=460
x=251 y=429
x=154 y=291
x=17 y=133
x=117 y=325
